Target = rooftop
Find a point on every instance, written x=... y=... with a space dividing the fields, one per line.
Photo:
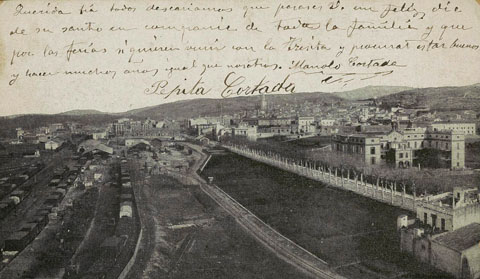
x=360 y=135
x=460 y=239
x=452 y=122
x=90 y=145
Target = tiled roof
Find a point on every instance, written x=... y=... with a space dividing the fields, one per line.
x=462 y=238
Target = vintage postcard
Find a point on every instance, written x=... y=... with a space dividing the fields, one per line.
x=240 y=139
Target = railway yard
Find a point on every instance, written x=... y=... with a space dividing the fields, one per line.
x=136 y=215
x=70 y=215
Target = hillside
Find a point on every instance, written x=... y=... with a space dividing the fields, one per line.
x=370 y=92
x=31 y=121
x=79 y=112
x=439 y=98
x=206 y=107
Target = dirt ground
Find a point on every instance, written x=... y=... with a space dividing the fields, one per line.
x=355 y=235
x=188 y=236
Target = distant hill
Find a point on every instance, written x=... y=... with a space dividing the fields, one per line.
x=206 y=107
x=370 y=92
x=31 y=121
x=438 y=98
x=82 y=112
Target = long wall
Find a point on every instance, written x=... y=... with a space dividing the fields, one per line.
x=382 y=193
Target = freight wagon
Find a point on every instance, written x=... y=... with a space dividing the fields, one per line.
x=126 y=209
x=17 y=241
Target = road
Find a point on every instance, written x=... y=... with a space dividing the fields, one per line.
x=283 y=247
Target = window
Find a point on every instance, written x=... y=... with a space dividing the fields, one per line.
x=400 y=155
x=406 y=155
x=415 y=144
x=442 y=225
x=373 y=160
x=425 y=217
x=434 y=220
x=372 y=150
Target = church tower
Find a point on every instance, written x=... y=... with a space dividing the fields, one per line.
x=263 y=104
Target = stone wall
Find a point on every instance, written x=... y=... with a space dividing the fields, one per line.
x=466 y=215
x=380 y=191
x=446 y=259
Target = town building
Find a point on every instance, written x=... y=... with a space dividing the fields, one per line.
x=204 y=129
x=100 y=135
x=305 y=124
x=119 y=128
x=465 y=128
x=405 y=148
x=20 y=134
x=43 y=130
x=56 y=127
x=326 y=122
x=446 y=232
x=129 y=127
x=450 y=211
x=457 y=252
x=94 y=146
x=365 y=146
x=248 y=131
x=281 y=130
x=268 y=122
x=194 y=122
x=132 y=142
x=327 y=130
x=53 y=144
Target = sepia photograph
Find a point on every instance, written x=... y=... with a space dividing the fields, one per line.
x=240 y=139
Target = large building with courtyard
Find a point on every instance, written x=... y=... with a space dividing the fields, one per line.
x=405 y=148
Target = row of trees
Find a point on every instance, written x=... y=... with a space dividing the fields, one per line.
x=423 y=181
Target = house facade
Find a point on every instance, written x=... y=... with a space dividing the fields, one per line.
x=405 y=148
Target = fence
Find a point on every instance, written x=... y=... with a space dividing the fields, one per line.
x=382 y=191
